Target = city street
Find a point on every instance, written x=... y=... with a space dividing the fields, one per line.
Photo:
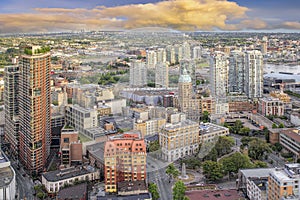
x=24 y=184
x=156 y=173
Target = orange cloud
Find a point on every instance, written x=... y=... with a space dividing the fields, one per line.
x=175 y=14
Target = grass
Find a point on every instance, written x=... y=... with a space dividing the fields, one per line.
x=84 y=138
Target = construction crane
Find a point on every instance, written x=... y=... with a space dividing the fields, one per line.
x=282 y=85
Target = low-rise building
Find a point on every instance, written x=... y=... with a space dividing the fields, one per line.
x=76 y=192
x=125 y=160
x=149 y=127
x=70 y=147
x=7 y=179
x=284 y=184
x=290 y=140
x=209 y=131
x=271 y=106
x=54 y=181
x=253 y=183
x=179 y=139
x=81 y=118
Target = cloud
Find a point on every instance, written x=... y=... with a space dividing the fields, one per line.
x=291 y=25
x=188 y=15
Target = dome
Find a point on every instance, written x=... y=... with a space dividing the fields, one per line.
x=184 y=77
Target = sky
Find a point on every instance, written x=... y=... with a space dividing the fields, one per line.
x=28 y=16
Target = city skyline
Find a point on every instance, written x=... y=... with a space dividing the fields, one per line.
x=182 y=15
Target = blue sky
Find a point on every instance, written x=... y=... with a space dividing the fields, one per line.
x=215 y=14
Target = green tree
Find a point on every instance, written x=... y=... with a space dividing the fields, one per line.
x=192 y=163
x=212 y=170
x=277 y=147
x=172 y=171
x=274 y=126
x=237 y=126
x=266 y=132
x=260 y=164
x=212 y=155
x=179 y=191
x=257 y=148
x=244 y=131
x=281 y=125
x=154 y=146
x=235 y=162
x=224 y=145
x=205 y=116
x=154 y=191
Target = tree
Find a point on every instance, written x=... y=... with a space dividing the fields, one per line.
x=179 y=191
x=274 y=126
x=277 y=147
x=235 y=162
x=237 y=126
x=213 y=155
x=212 y=170
x=172 y=171
x=260 y=164
x=224 y=145
x=205 y=116
x=154 y=191
x=244 y=131
x=154 y=146
x=192 y=163
x=257 y=148
x=266 y=132
x=281 y=125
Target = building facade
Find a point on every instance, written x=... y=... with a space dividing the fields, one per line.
x=219 y=74
x=290 y=140
x=34 y=108
x=162 y=75
x=125 y=160
x=254 y=74
x=284 y=184
x=271 y=106
x=11 y=104
x=236 y=72
x=7 y=179
x=138 y=74
x=179 y=139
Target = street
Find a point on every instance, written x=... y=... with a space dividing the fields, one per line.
x=24 y=184
x=156 y=173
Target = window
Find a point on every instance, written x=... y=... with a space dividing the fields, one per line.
x=66 y=140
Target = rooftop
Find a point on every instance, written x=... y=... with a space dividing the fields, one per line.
x=73 y=192
x=230 y=194
x=292 y=133
x=6 y=172
x=63 y=174
x=256 y=173
x=143 y=196
x=128 y=186
x=206 y=128
x=181 y=124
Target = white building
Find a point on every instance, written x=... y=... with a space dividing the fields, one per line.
x=236 y=76
x=7 y=179
x=219 y=74
x=55 y=180
x=208 y=132
x=151 y=59
x=179 y=139
x=253 y=74
x=162 y=75
x=81 y=118
x=138 y=74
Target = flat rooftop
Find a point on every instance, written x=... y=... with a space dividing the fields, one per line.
x=231 y=194
x=63 y=174
x=181 y=124
x=257 y=173
x=206 y=128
